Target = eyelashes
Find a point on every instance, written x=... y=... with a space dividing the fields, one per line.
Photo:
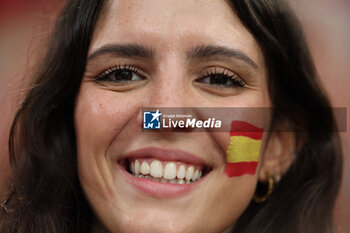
x=214 y=77
x=222 y=79
x=120 y=74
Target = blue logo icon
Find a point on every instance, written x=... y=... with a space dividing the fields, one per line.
x=151 y=120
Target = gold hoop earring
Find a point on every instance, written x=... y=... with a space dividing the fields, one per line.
x=4 y=205
x=270 y=189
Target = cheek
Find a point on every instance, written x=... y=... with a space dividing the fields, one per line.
x=244 y=149
x=99 y=117
x=95 y=121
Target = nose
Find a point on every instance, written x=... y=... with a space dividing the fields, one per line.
x=171 y=92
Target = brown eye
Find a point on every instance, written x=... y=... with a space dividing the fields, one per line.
x=222 y=80
x=121 y=74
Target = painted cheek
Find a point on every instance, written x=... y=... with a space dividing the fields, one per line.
x=244 y=149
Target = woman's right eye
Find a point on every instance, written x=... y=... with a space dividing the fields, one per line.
x=120 y=74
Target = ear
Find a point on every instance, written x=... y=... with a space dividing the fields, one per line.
x=278 y=156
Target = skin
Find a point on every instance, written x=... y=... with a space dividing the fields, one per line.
x=108 y=117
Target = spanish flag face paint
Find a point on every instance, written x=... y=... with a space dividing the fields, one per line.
x=244 y=149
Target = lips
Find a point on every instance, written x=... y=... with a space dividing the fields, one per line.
x=160 y=172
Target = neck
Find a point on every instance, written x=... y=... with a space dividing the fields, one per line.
x=229 y=229
x=98 y=228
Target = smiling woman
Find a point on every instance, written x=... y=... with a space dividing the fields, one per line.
x=81 y=162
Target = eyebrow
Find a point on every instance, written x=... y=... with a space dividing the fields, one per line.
x=201 y=52
x=124 y=50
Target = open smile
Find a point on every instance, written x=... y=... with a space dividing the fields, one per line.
x=162 y=172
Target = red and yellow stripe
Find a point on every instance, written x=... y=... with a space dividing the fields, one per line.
x=244 y=149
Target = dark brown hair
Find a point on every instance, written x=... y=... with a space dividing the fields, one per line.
x=46 y=196
x=304 y=199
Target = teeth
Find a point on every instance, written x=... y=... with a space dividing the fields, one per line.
x=165 y=181
x=170 y=171
x=189 y=173
x=180 y=181
x=169 y=174
x=145 y=168
x=156 y=169
x=155 y=179
x=181 y=172
x=132 y=167
x=195 y=175
x=137 y=167
x=173 y=181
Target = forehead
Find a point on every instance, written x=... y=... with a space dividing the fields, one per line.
x=173 y=25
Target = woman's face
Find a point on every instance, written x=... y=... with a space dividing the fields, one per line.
x=164 y=53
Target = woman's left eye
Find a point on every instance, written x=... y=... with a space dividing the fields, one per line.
x=120 y=74
x=222 y=79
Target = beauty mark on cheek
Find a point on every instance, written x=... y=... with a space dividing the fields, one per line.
x=244 y=149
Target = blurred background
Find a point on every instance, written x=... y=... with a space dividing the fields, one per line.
x=327 y=27
x=25 y=26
